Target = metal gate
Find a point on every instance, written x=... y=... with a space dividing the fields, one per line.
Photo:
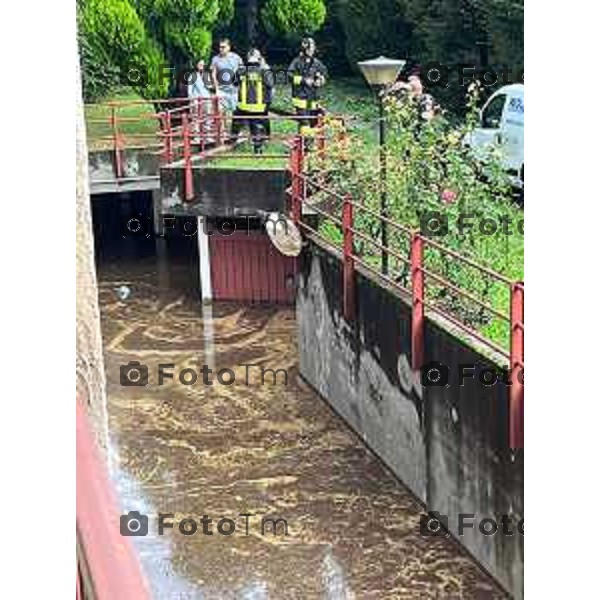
x=245 y=266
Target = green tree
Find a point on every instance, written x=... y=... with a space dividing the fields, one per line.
x=373 y=28
x=452 y=31
x=115 y=35
x=112 y=37
x=184 y=28
x=293 y=18
x=478 y=32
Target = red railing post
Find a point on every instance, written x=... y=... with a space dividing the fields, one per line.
x=342 y=139
x=349 y=274
x=295 y=174
x=201 y=124
x=118 y=158
x=187 y=160
x=218 y=120
x=321 y=136
x=301 y=180
x=168 y=136
x=418 y=301
x=517 y=362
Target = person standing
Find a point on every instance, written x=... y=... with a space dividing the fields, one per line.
x=413 y=92
x=199 y=95
x=224 y=68
x=198 y=84
x=254 y=98
x=307 y=74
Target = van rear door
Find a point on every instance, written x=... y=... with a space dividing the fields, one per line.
x=489 y=132
x=513 y=132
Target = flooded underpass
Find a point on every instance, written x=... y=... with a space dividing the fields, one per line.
x=249 y=450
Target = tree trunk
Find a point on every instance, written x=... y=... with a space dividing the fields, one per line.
x=251 y=21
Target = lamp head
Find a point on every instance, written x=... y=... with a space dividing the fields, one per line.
x=382 y=71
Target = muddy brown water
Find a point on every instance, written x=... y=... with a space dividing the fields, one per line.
x=260 y=448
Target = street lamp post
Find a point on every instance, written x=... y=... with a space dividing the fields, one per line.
x=379 y=73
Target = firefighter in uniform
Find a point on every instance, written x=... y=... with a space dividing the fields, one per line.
x=254 y=97
x=307 y=74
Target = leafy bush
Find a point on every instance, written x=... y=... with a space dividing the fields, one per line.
x=450 y=32
x=116 y=35
x=184 y=28
x=373 y=28
x=113 y=37
x=430 y=169
x=293 y=18
x=98 y=74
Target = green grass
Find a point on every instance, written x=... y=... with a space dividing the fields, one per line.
x=246 y=162
x=349 y=96
x=137 y=132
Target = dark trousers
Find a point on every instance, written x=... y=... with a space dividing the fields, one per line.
x=309 y=118
x=258 y=123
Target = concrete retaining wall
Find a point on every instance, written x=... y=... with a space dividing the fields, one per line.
x=140 y=171
x=449 y=445
x=225 y=192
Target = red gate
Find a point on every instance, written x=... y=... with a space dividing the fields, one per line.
x=245 y=266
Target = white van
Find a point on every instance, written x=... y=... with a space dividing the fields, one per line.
x=501 y=124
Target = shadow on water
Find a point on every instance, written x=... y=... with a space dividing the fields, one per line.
x=260 y=447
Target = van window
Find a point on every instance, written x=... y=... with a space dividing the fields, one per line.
x=515 y=111
x=492 y=114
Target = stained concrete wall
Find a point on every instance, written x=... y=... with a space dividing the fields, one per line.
x=140 y=171
x=226 y=192
x=449 y=445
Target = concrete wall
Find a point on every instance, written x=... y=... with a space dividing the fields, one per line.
x=140 y=171
x=449 y=445
x=225 y=192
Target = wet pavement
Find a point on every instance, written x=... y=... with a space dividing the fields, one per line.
x=261 y=448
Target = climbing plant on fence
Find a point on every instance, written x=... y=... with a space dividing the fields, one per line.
x=431 y=172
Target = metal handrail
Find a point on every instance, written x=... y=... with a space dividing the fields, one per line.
x=419 y=273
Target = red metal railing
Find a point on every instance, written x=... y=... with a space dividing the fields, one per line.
x=221 y=147
x=517 y=363
x=160 y=131
x=421 y=281
x=107 y=568
x=187 y=130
